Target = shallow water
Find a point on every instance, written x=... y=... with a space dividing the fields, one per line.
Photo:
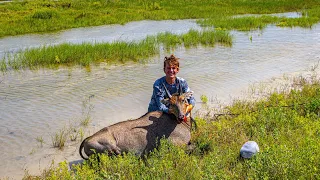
x=40 y=103
x=129 y=32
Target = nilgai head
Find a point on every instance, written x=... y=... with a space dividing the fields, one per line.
x=177 y=103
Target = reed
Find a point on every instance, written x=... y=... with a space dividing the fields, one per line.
x=87 y=108
x=260 y=22
x=239 y=23
x=40 y=140
x=306 y=22
x=59 y=139
x=73 y=133
x=86 y=54
x=30 y=16
x=3 y=65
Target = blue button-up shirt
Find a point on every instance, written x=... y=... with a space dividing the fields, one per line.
x=159 y=93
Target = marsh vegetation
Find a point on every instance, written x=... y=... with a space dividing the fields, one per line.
x=20 y=17
x=30 y=16
x=116 y=52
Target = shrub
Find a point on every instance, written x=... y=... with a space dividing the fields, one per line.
x=45 y=14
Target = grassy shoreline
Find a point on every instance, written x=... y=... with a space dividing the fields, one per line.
x=35 y=16
x=285 y=125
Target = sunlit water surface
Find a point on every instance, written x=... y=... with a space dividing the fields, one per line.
x=38 y=104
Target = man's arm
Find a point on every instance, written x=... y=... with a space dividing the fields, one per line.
x=159 y=96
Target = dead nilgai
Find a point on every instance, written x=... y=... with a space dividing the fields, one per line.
x=142 y=135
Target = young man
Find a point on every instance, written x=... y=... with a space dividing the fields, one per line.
x=172 y=83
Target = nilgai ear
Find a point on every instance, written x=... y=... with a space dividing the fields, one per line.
x=188 y=94
x=165 y=102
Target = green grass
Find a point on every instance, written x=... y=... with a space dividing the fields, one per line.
x=254 y=23
x=117 y=52
x=36 y=16
x=286 y=126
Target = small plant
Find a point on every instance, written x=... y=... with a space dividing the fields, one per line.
x=44 y=14
x=32 y=151
x=314 y=67
x=73 y=135
x=59 y=139
x=86 y=111
x=81 y=133
x=204 y=99
x=40 y=140
x=85 y=121
x=3 y=65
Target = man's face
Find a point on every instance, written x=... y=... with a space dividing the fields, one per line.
x=171 y=71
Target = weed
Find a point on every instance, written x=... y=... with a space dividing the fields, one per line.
x=45 y=14
x=85 y=121
x=81 y=133
x=40 y=140
x=59 y=139
x=87 y=108
x=73 y=134
x=204 y=99
x=3 y=65
x=32 y=151
x=314 y=67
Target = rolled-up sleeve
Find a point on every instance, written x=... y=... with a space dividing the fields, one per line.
x=159 y=96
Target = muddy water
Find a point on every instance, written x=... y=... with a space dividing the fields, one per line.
x=41 y=103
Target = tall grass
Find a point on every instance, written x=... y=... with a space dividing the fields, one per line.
x=286 y=126
x=253 y=23
x=59 y=139
x=87 y=108
x=116 y=52
x=29 y=16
